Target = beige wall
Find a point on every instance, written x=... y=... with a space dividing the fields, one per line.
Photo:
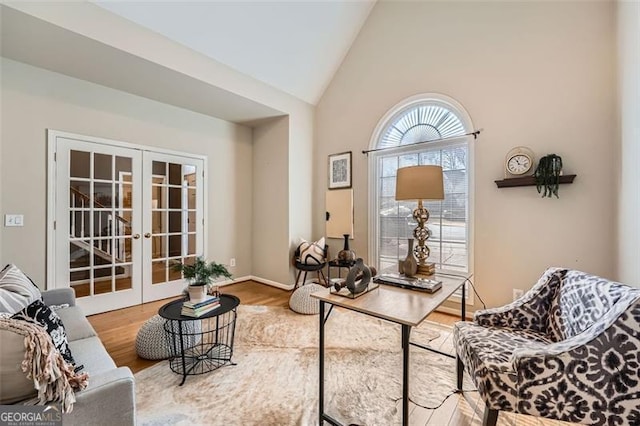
x=628 y=267
x=301 y=182
x=34 y=99
x=536 y=74
x=270 y=199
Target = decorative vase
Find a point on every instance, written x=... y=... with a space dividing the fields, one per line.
x=197 y=293
x=410 y=265
x=346 y=255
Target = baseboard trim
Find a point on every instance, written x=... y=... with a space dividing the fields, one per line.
x=272 y=283
x=233 y=281
x=453 y=311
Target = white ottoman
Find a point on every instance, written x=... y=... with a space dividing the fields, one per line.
x=302 y=302
x=152 y=342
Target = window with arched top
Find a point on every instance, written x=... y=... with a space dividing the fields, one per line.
x=442 y=123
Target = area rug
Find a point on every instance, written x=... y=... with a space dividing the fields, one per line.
x=275 y=381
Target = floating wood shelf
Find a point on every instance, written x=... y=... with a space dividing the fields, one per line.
x=528 y=181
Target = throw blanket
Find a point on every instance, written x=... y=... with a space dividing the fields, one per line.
x=53 y=378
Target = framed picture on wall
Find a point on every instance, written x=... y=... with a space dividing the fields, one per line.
x=340 y=170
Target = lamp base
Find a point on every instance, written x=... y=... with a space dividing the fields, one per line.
x=428 y=268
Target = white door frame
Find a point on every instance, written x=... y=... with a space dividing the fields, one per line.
x=52 y=137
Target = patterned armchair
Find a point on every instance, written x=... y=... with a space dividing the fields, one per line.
x=569 y=349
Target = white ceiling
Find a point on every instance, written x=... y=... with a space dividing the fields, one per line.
x=295 y=46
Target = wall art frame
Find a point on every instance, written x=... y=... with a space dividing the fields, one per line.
x=340 y=170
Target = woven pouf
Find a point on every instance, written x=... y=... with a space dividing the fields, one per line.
x=152 y=341
x=302 y=302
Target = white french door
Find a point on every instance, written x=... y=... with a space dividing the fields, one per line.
x=122 y=218
x=172 y=220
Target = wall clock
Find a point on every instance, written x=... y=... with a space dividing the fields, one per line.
x=518 y=161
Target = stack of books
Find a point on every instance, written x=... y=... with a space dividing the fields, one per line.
x=198 y=309
x=427 y=269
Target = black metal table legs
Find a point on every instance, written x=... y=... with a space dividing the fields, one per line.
x=321 y=364
x=406 y=331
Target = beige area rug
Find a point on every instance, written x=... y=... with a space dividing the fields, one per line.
x=275 y=381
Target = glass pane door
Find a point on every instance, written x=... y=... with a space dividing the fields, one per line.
x=174 y=223
x=97 y=230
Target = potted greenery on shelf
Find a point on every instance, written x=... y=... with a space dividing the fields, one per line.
x=547 y=175
x=200 y=276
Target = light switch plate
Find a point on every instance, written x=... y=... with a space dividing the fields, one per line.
x=13 y=220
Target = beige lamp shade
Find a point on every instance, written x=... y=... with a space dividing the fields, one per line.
x=419 y=183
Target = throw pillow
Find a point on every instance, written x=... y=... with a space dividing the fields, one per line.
x=16 y=290
x=39 y=313
x=14 y=385
x=312 y=253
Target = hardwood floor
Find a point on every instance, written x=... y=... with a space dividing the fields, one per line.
x=118 y=329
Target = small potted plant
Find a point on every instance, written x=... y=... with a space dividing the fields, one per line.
x=200 y=276
x=547 y=175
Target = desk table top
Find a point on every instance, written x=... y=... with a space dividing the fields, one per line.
x=399 y=305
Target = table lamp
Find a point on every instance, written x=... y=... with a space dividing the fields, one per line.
x=420 y=183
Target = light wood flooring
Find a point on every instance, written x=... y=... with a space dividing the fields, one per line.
x=118 y=329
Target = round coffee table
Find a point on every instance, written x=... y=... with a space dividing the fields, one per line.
x=204 y=348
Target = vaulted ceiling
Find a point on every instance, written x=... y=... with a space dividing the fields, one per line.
x=293 y=46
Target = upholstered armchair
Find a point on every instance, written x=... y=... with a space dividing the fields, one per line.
x=569 y=349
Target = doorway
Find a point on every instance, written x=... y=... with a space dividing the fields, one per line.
x=122 y=217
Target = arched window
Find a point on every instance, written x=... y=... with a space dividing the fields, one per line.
x=422 y=118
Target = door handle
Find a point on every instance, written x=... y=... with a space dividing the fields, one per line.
x=136 y=236
x=147 y=235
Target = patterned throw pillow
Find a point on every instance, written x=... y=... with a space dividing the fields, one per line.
x=311 y=253
x=16 y=290
x=40 y=314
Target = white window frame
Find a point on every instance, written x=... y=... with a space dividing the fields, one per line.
x=374 y=173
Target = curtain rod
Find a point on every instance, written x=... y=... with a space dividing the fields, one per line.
x=475 y=134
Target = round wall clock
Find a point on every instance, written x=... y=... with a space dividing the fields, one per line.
x=518 y=161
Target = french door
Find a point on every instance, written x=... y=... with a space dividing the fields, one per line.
x=173 y=221
x=123 y=217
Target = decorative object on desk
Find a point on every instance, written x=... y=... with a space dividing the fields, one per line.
x=518 y=161
x=421 y=284
x=340 y=170
x=410 y=265
x=200 y=275
x=547 y=175
x=357 y=282
x=420 y=183
x=358 y=277
x=346 y=254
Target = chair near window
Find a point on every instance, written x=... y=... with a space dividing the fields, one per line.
x=311 y=257
x=566 y=350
